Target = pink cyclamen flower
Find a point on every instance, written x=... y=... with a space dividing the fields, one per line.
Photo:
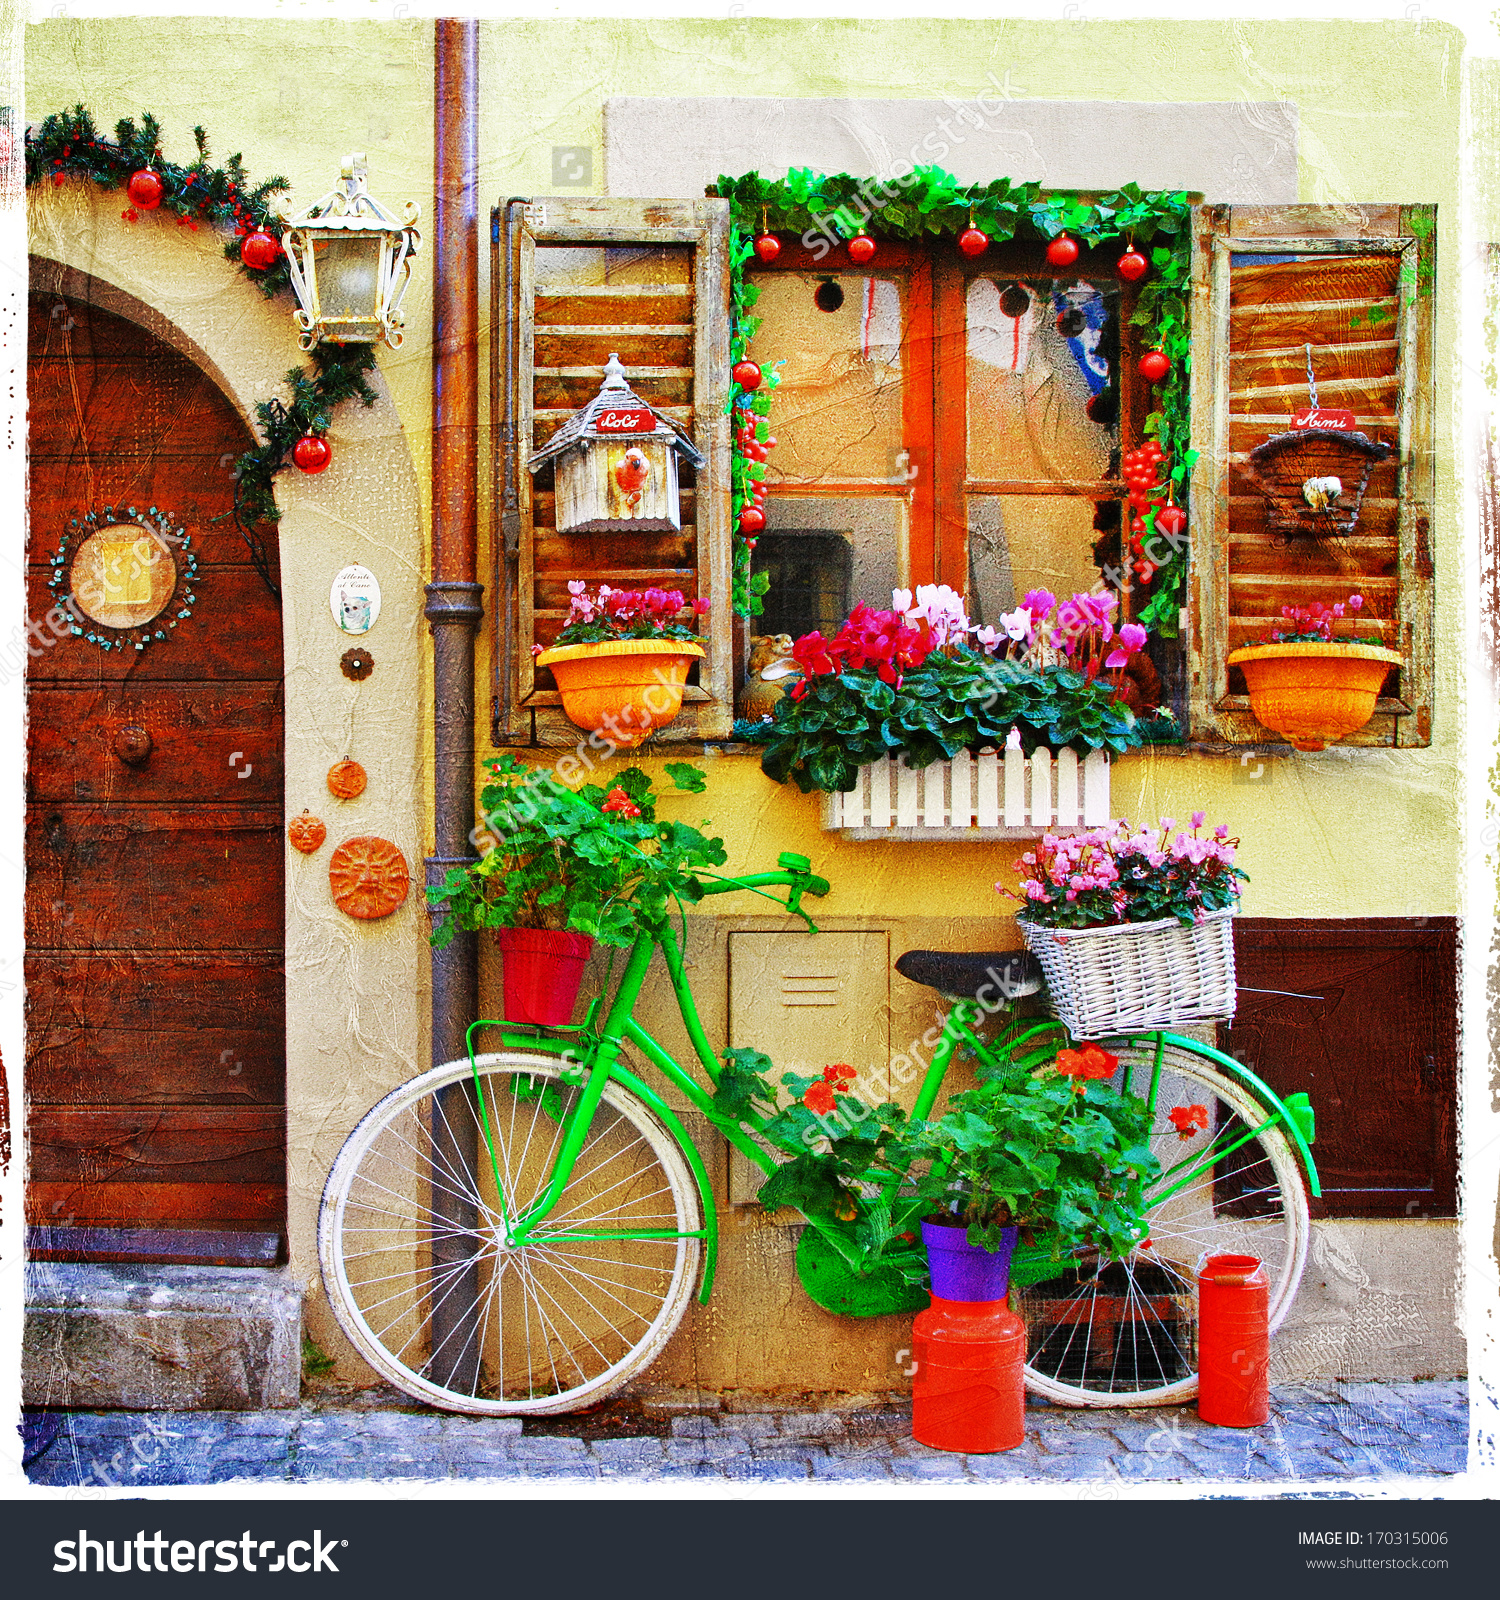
x=1133 y=636
x=1199 y=817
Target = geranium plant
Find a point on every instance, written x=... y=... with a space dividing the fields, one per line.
x=1056 y=1151
x=602 y=615
x=596 y=861
x=921 y=680
x=1120 y=873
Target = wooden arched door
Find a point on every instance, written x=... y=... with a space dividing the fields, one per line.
x=154 y=844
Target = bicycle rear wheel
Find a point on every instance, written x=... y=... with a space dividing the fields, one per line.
x=413 y=1248
x=1124 y=1333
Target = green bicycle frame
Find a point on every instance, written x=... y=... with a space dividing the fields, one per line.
x=590 y=1057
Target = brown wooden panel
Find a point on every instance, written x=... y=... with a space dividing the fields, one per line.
x=85 y=1204
x=1314 y=322
x=190 y=1063
x=184 y=1246
x=573 y=392
x=125 y=1145
x=217 y=745
x=1378 y=523
x=623 y=303
x=594 y=346
x=1314 y=278
x=153 y=878
x=1252 y=363
x=1374 y=397
x=125 y=990
x=1264 y=593
x=233 y=633
x=1376 y=1049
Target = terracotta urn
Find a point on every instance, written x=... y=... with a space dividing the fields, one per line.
x=628 y=688
x=1314 y=693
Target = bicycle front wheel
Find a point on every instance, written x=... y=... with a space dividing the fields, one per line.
x=1124 y=1333
x=413 y=1246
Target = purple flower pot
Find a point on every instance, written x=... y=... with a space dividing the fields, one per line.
x=962 y=1271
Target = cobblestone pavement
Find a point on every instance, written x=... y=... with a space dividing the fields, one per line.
x=1339 y=1433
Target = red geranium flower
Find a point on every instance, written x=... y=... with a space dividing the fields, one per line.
x=618 y=800
x=819 y=1098
x=1089 y=1062
x=840 y=1075
x=1188 y=1119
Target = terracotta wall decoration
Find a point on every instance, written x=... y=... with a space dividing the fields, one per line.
x=346 y=779
x=306 y=832
x=369 y=877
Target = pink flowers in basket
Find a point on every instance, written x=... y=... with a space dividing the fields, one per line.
x=1119 y=873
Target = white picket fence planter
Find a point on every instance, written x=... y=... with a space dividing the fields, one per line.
x=994 y=795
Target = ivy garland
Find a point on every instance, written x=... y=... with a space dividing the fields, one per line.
x=68 y=145
x=928 y=204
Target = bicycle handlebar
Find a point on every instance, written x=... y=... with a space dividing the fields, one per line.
x=796 y=874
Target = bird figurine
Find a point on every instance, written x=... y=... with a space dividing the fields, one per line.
x=771 y=672
x=631 y=477
x=1320 y=493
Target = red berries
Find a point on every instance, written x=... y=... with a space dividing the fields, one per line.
x=752 y=519
x=146 y=189
x=861 y=248
x=768 y=247
x=973 y=242
x=746 y=374
x=312 y=452
x=1063 y=251
x=1154 y=366
x=1140 y=470
x=260 y=250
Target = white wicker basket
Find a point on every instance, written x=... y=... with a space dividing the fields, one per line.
x=1137 y=975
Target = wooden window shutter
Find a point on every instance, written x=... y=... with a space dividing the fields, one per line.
x=584 y=278
x=1357 y=284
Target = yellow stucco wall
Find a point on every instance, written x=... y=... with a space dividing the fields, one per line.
x=1346 y=833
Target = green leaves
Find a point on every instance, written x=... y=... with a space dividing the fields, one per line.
x=949 y=703
x=557 y=859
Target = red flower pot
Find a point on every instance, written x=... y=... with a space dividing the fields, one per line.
x=543 y=969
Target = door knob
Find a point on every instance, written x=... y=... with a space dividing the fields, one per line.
x=132 y=744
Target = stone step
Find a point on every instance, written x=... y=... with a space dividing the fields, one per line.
x=159 y=1338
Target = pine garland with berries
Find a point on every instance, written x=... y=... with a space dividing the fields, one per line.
x=67 y=145
x=927 y=204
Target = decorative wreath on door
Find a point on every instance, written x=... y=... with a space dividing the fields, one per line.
x=125 y=577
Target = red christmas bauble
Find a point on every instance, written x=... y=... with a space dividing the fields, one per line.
x=768 y=247
x=1171 y=520
x=145 y=189
x=973 y=242
x=1132 y=265
x=312 y=452
x=260 y=250
x=752 y=519
x=1154 y=366
x=746 y=374
x=861 y=248
x=1063 y=251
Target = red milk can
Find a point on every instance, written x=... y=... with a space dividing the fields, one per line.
x=967 y=1391
x=1234 y=1342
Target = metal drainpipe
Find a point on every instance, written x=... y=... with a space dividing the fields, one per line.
x=453 y=611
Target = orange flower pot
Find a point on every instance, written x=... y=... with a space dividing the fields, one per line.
x=1314 y=694
x=626 y=688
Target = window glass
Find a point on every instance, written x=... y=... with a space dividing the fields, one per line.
x=836 y=412
x=874 y=531
x=1019 y=542
x=1040 y=352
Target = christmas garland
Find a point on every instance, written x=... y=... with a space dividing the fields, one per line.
x=68 y=145
x=928 y=204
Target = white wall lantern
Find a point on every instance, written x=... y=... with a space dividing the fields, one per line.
x=350 y=260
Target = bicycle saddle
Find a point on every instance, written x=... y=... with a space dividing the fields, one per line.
x=966 y=974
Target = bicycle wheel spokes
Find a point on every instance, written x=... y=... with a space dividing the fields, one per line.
x=1125 y=1333
x=423 y=1274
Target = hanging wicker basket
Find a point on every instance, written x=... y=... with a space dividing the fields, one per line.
x=1137 y=975
x=1287 y=463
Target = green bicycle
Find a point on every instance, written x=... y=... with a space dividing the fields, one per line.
x=521 y=1231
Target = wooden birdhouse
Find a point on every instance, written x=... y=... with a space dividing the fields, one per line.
x=616 y=462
